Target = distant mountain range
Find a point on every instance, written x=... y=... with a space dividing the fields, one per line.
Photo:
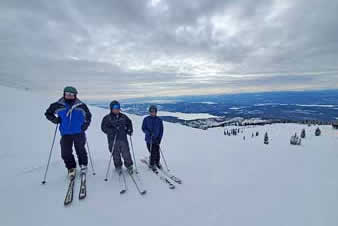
x=308 y=106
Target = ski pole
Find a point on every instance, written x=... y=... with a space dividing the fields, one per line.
x=132 y=148
x=111 y=156
x=165 y=162
x=90 y=158
x=50 y=154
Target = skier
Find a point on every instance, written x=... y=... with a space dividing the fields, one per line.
x=152 y=126
x=117 y=126
x=74 y=118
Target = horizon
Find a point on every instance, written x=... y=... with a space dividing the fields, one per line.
x=163 y=98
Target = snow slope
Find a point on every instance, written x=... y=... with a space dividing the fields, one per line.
x=227 y=181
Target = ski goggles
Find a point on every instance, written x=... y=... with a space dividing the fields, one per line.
x=69 y=94
x=116 y=107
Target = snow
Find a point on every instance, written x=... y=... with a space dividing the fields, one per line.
x=186 y=116
x=266 y=104
x=205 y=102
x=234 y=108
x=300 y=105
x=316 y=105
x=226 y=180
x=254 y=121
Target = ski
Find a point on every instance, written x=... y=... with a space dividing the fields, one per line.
x=122 y=182
x=136 y=180
x=171 y=176
x=70 y=191
x=83 y=186
x=162 y=177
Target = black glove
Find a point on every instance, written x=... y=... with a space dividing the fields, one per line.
x=56 y=120
x=156 y=140
x=84 y=127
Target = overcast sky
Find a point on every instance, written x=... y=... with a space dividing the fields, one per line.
x=125 y=48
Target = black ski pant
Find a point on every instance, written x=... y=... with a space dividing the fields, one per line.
x=67 y=142
x=154 y=150
x=121 y=150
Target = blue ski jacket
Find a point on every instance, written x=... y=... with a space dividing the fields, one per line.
x=152 y=126
x=74 y=119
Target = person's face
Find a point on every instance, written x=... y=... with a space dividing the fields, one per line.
x=69 y=96
x=116 y=111
x=153 y=113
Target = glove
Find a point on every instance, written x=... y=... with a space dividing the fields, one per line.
x=84 y=127
x=56 y=120
x=130 y=132
x=156 y=140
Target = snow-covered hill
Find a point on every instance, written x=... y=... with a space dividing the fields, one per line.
x=227 y=180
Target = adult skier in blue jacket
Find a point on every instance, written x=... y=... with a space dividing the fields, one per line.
x=152 y=126
x=74 y=118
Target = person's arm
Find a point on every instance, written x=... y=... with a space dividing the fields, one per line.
x=50 y=113
x=88 y=117
x=105 y=126
x=161 y=131
x=129 y=126
x=144 y=127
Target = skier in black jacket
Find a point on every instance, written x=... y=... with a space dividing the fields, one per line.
x=117 y=126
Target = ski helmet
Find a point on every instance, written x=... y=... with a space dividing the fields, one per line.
x=152 y=108
x=70 y=89
x=115 y=105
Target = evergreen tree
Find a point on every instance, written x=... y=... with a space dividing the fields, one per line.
x=302 y=135
x=266 y=138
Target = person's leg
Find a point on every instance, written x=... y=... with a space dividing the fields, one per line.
x=117 y=155
x=81 y=152
x=148 y=147
x=153 y=157
x=67 y=151
x=157 y=155
x=125 y=151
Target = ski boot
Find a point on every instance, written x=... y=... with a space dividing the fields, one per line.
x=71 y=173
x=118 y=170
x=83 y=169
x=158 y=165
x=152 y=167
x=130 y=170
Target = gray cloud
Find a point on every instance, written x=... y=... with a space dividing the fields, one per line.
x=137 y=48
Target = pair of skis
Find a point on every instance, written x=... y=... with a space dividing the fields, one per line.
x=70 y=190
x=136 y=180
x=164 y=175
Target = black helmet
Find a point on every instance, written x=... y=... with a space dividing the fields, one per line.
x=115 y=105
x=152 y=108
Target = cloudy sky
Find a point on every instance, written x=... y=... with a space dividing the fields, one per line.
x=136 y=48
